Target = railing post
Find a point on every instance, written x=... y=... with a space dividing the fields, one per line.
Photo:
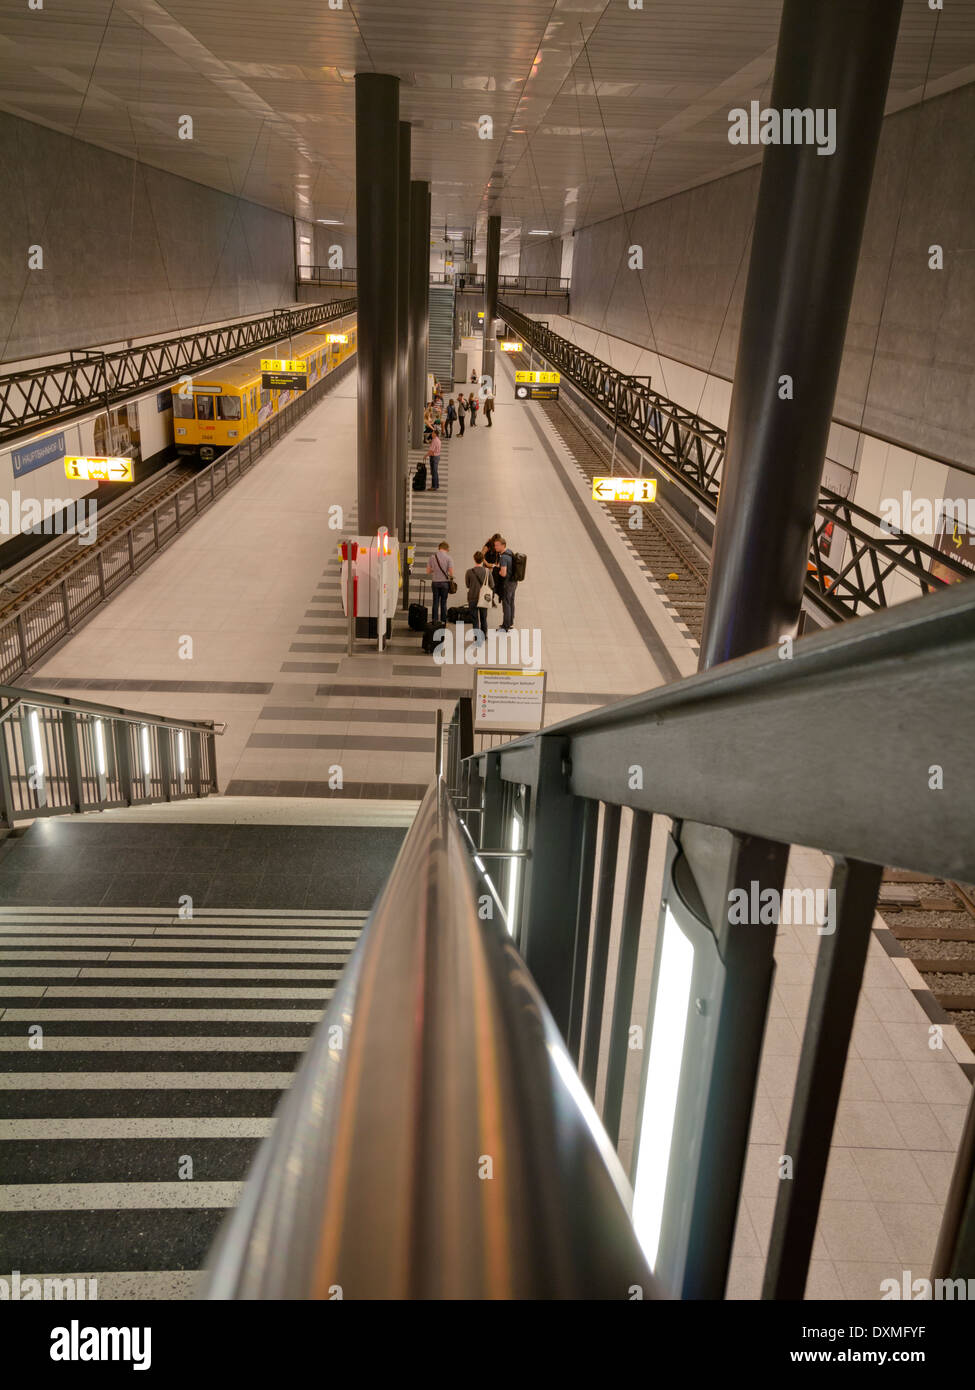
x=7 y=808
x=164 y=742
x=100 y=560
x=72 y=758
x=491 y=828
x=131 y=541
x=551 y=885
x=65 y=604
x=22 y=636
x=822 y=1061
x=123 y=759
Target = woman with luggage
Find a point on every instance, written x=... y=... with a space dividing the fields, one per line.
x=472 y=407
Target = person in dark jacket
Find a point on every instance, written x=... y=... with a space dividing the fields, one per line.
x=505 y=583
x=472 y=407
x=461 y=412
x=451 y=417
x=489 y=407
x=476 y=577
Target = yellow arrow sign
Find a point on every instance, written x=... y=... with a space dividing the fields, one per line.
x=549 y=378
x=955 y=537
x=624 y=489
x=283 y=364
x=98 y=470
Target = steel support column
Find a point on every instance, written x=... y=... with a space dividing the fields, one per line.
x=403 y=327
x=832 y=66
x=490 y=298
x=833 y=63
x=377 y=229
x=419 y=302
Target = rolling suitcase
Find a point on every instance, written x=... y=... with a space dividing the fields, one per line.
x=428 y=635
x=418 y=614
x=420 y=478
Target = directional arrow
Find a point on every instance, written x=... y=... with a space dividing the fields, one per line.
x=603 y=491
x=956 y=537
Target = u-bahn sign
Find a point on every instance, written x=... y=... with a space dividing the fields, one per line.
x=537 y=386
x=624 y=489
x=284 y=374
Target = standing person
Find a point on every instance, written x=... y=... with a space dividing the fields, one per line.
x=451 y=417
x=461 y=412
x=440 y=568
x=473 y=378
x=489 y=407
x=433 y=454
x=506 y=583
x=472 y=407
x=478 y=598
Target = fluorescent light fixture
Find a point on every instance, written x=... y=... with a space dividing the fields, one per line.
x=146 y=757
x=100 y=760
x=541 y=231
x=329 y=222
x=514 y=871
x=181 y=753
x=36 y=742
x=666 y=1056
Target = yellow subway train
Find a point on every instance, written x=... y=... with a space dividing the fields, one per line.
x=224 y=405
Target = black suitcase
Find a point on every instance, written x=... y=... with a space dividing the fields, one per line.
x=459 y=615
x=418 y=614
x=420 y=478
x=428 y=636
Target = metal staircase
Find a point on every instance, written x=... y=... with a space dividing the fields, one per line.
x=440 y=350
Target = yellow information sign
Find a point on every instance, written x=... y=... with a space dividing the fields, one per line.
x=624 y=489
x=98 y=470
x=510 y=347
x=336 y=337
x=539 y=378
x=284 y=364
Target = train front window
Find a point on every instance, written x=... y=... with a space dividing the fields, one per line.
x=204 y=407
x=228 y=407
x=182 y=406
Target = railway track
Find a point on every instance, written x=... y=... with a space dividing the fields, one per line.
x=673 y=560
x=58 y=561
x=934 y=921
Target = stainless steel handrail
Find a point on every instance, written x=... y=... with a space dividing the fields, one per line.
x=19 y=696
x=437 y=1141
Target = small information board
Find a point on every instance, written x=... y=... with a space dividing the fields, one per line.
x=98 y=470
x=284 y=374
x=336 y=337
x=624 y=489
x=537 y=386
x=508 y=702
x=507 y=345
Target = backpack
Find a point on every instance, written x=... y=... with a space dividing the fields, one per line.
x=420 y=478
x=518 y=569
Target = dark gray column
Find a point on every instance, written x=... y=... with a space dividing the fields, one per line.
x=377 y=228
x=490 y=295
x=419 y=302
x=403 y=327
x=808 y=226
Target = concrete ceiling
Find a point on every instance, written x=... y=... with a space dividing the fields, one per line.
x=595 y=105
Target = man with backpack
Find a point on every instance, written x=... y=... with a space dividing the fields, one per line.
x=505 y=583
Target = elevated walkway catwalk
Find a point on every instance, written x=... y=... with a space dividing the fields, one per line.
x=254 y=585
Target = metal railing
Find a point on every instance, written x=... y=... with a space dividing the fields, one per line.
x=835 y=750
x=326 y=275
x=60 y=755
x=690 y=451
x=93 y=380
x=514 y=284
x=495 y=964
x=38 y=625
x=436 y=1142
